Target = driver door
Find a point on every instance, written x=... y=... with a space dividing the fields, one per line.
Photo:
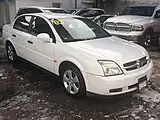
x=43 y=52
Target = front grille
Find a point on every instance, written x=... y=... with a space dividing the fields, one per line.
x=118 y=26
x=110 y=26
x=135 y=64
x=123 y=27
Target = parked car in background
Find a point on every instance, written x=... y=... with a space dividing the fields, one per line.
x=36 y=9
x=101 y=19
x=72 y=11
x=90 y=13
x=139 y=24
x=72 y=46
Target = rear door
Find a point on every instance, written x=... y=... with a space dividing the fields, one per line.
x=20 y=35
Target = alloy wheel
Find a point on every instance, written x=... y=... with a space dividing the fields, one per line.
x=71 y=82
x=147 y=40
x=10 y=52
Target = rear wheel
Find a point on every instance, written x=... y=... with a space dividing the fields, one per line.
x=73 y=81
x=11 y=53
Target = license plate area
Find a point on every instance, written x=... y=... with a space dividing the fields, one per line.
x=142 y=82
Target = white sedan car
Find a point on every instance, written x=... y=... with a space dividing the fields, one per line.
x=84 y=55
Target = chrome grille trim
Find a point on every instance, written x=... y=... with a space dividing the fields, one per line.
x=110 y=26
x=135 y=64
x=123 y=27
x=118 y=26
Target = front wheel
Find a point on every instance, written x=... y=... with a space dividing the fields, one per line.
x=73 y=81
x=147 y=39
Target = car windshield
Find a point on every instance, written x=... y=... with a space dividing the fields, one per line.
x=78 y=29
x=139 y=10
x=56 y=10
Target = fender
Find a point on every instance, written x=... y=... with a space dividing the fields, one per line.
x=74 y=61
x=9 y=40
x=69 y=59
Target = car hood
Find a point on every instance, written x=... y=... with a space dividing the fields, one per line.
x=131 y=19
x=111 y=48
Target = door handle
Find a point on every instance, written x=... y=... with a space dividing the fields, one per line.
x=13 y=35
x=30 y=42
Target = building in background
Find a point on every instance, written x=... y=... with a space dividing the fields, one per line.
x=8 y=8
x=116 y=6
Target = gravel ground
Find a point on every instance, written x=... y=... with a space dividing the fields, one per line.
x=27 y=93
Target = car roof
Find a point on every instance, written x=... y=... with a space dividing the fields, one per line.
x=93 y=8
x=39 y=7
x=53 y=15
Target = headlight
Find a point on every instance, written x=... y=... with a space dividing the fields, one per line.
x=137 y=28
x=110 y=68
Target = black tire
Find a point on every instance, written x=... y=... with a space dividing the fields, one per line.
x=82 y=88
x=147 y=39
x=11 y=53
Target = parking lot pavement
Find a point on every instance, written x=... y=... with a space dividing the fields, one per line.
x=27 y=93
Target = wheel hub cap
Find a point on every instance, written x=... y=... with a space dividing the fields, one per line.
x=10 y=53
x=71 y=82
x=147 y=40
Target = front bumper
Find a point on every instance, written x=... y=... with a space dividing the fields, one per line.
x=115 y=85
x=135 y=36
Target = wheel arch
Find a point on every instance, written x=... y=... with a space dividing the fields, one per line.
x=69 y=62
x=78 y=66
x=7 y=42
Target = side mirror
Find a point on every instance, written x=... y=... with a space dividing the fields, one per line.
x=157 y=14
x=44 y=37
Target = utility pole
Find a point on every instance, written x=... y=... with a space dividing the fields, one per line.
x=75 y=4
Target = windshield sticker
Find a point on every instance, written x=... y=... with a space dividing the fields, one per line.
x=57 y=22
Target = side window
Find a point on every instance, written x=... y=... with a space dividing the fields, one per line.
x=22 y=23
x=85 y=14
x=39 y=25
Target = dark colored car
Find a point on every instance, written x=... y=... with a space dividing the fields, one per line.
x=72 y=11
x=101 y=19
x=90 y=13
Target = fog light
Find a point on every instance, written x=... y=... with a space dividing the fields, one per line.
x=115 y=90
